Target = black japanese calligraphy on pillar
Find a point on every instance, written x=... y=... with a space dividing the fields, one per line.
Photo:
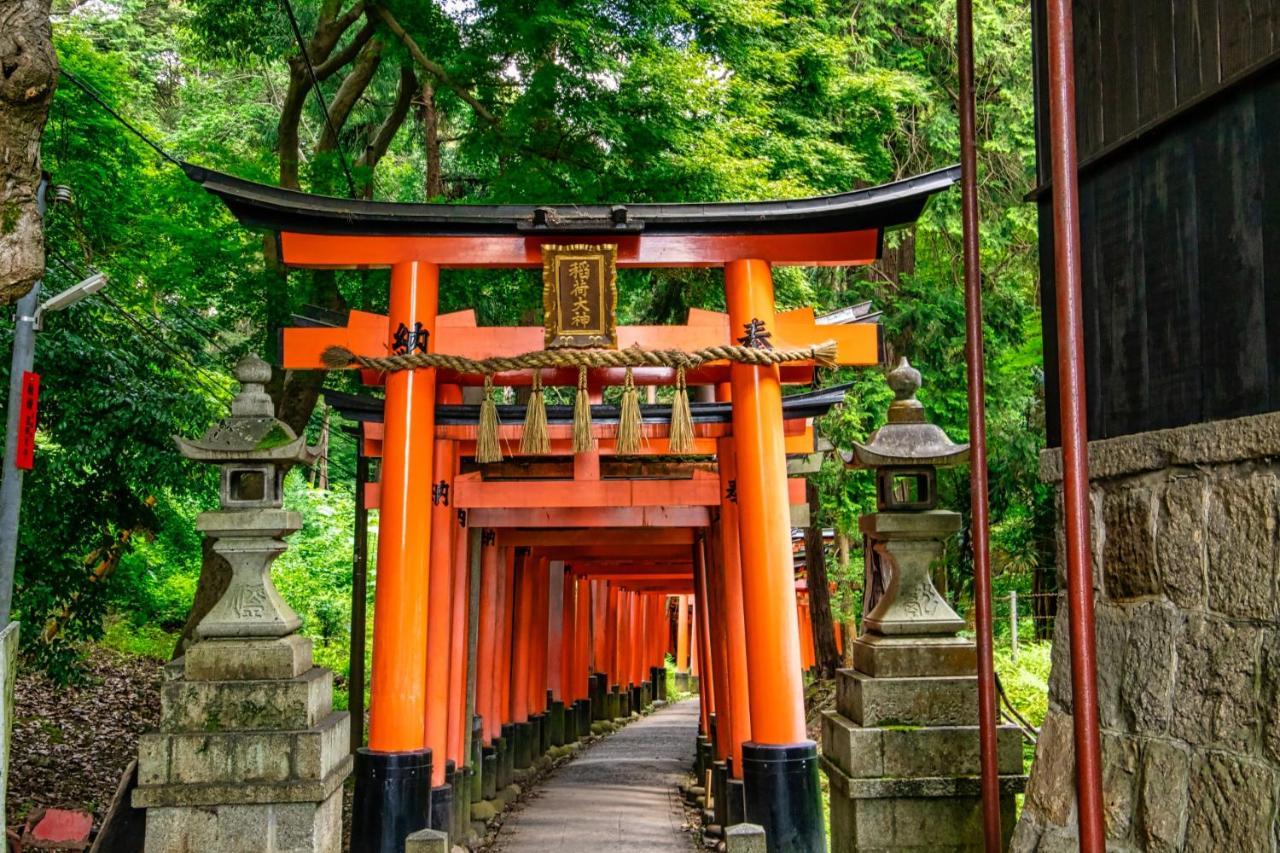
x=757 y=336
x=406 y=340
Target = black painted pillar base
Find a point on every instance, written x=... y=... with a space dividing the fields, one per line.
x=488 y=772
x=701 y=758
x=441 y=807
x=524 y=746
x=506 y=749
x=461 y=805
x=572 y=717
x=544 y=742
x=476 y=760
x=558 y=734
x=442 y=801
x=598 y=690
x=735 y=810
x=506 y=773
x=719 y=794
x=782 y=795
x=538 y=722
x=392 y=799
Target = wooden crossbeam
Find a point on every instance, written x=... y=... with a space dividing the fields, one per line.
x=797 y=433
x=472 y=492
x=622 y=537
x=332 y=251
x=457 y=334
x=596 y=517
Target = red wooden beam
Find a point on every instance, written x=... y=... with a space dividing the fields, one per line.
x=703 y=489
x=328 y=251
x=595 y=517
x=619 y=536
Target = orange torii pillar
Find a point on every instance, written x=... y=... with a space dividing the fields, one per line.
x=706 y=681
x=521 y=641
x=615 y=676
x=487 y=644
x=459 y=720
x=393 y=774
x=555 y=655
x=661 y=640
x=565 y=709
x=583 y=677
x=780 y=763
x=537 y=684
x=682 y=642
x=693 y=645
x=735 y=625
x=601 y=650
x=622 y=653
x=722 y=725
x=806 y=635
x=440 y=634
x=503 y=667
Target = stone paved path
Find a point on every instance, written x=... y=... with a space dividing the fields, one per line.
x=619 y=794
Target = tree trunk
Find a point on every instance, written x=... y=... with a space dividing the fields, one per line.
x=849 y=625
x=824 y=634
x=28 y=74
x=430 y=120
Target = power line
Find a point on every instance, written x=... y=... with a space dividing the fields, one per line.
x=315 y=84
x=89 y=90
x=173 y=351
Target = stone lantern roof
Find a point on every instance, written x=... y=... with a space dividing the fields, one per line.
x=251 y=433
x=907 y=439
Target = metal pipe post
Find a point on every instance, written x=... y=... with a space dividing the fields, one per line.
x=1075 y=442
x=979 y=521
x=24 y=353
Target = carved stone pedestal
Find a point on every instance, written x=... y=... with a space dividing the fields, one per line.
x=901 y=750
x=250 y=755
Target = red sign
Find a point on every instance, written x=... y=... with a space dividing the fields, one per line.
x=26 y=455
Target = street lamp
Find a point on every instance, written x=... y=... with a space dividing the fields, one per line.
x=69 y=297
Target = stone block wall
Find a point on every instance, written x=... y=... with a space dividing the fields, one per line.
x=1186 y=564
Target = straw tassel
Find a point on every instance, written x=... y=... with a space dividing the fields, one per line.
x=535 y=441
x=487 y=447
x=582 y=440
x=680 y=437
x=630 y=433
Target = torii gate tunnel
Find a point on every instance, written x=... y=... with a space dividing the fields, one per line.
x=535 y=589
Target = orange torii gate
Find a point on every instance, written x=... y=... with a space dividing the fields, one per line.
x=519 y=591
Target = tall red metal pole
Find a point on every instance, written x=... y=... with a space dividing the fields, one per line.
x=979 y=521
x=1075 y=440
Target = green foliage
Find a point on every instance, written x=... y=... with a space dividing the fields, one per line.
x=594 y=100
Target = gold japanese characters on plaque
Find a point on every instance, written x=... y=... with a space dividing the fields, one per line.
x=580 y=296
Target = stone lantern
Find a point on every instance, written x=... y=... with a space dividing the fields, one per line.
x=250 y=754
x=905 y=537
x=900 y=750
x=254 y=449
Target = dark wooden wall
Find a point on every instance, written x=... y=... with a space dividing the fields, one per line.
x=1178 y=104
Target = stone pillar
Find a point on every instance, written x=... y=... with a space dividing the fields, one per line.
x=250 y=755
x=901 y=748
